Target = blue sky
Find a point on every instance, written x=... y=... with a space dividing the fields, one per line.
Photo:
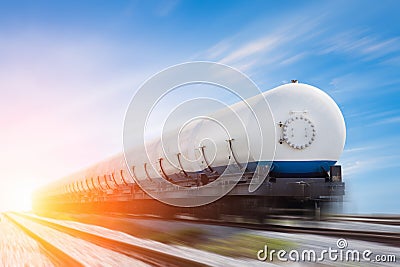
x=69 y=69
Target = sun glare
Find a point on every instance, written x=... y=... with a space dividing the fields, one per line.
x=18 y=196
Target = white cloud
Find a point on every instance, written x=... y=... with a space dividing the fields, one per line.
x=219 y=49
x=252 y=48
x=355 y=166
x=293 y=59
x=369 y=157
x=257 y=46
x=358 y=149
x=351 y=86
x=390 y=120
x=361 y=44
x=166 y=7
x=392 y=61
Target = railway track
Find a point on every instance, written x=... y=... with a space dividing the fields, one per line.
x=389 y=238
x=392 y=239
x=56 y=255
x=155 y=257
x=151 y=257
x=384 y=237
x=20 y=248
x=385 y=220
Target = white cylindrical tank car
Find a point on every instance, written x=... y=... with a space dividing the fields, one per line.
x=308 y=138
x=310 y=129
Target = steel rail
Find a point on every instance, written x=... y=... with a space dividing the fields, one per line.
x=392 y=239
x=57 y=256
x=150 y=256
x=383 y=237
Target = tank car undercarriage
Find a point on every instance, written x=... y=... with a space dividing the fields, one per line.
x=275 y=196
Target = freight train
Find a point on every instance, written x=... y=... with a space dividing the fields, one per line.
x=296 y=170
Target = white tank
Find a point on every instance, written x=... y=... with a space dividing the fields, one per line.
x=309 y=126
x=304 y=134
